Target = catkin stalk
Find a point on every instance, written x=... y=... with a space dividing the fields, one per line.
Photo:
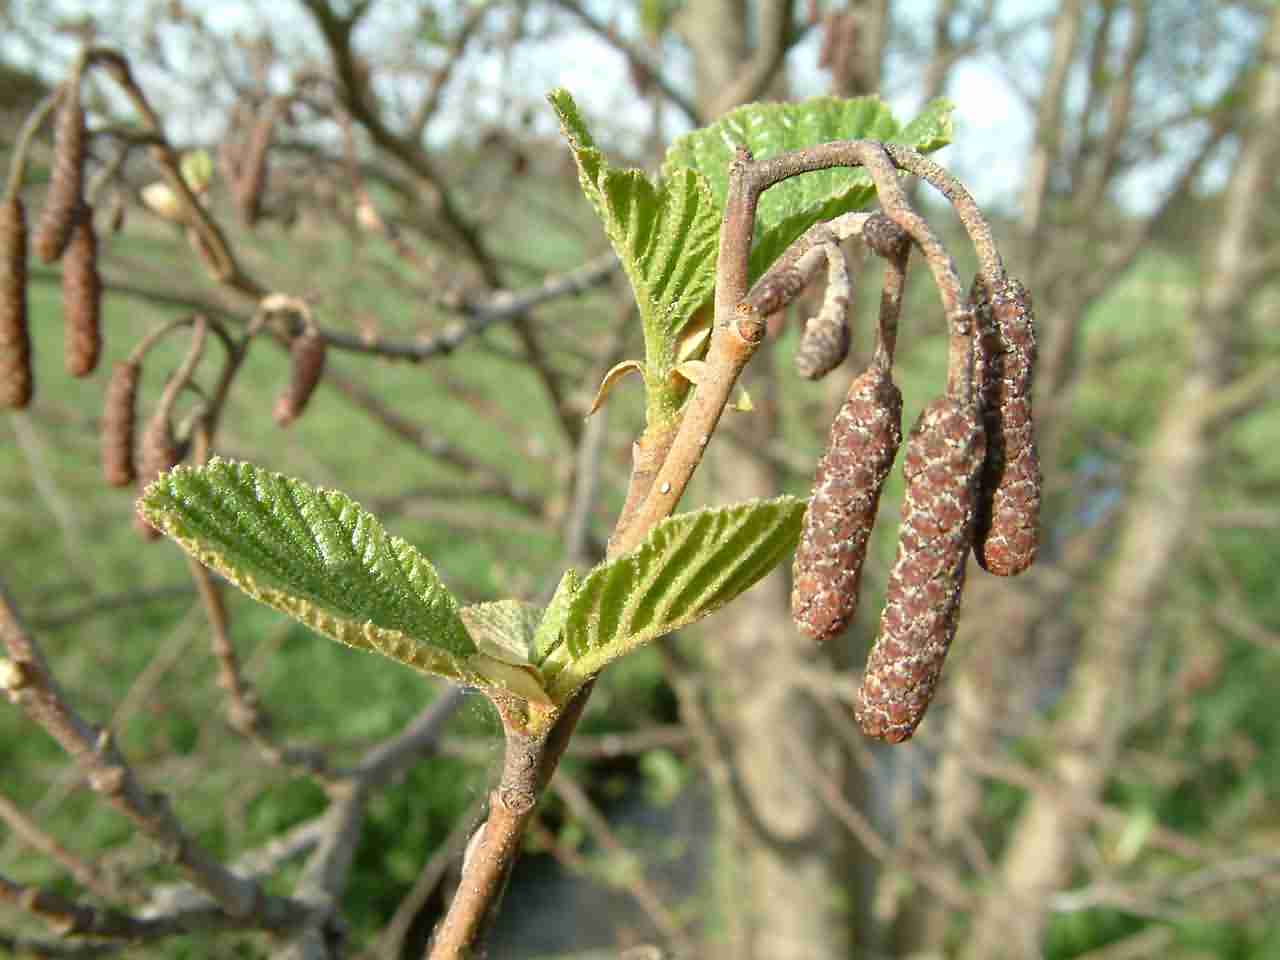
x=922 y=600
x=15 y=340
x=864 y=439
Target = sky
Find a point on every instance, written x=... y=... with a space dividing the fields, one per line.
x=992 y=123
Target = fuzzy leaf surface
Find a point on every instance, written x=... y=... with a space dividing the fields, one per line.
x=666 y=235
x=550 y=631
x=503 y=629
x=317 y=556
x=791 y=207
x=689 y=566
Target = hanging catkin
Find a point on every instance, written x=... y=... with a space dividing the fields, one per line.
x=117 y=424
x=306 y=365
x=158 y=453
x=251 y=178
x=865 y=436
x=81 y=297
x=922 y=599
x=64 y=197
x=15 y=339
x=1007 y=528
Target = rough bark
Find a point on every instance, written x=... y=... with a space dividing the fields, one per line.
x=1174 y=469
x=781 y=876
x=782 y=872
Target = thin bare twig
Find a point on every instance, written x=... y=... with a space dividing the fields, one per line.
x=30 y=684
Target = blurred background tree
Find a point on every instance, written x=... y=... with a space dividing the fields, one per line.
x=1097 y=777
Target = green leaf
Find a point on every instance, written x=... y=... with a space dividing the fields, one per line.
x=503 y=629
x=791 y=207
x=666 y=235
x=316 y=555
x=197 y=170
x=550 y=632
x=689 y=566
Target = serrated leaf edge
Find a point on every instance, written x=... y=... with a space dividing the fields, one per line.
x=572 y=663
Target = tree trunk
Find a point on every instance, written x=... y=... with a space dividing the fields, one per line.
x=1095 y=716
x=781 y=869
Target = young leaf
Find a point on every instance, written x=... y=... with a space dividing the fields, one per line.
x=791 y=207
x=503 y=629
x=666 y=235
x=317 y=556
x=550 y=631
x=690 y=565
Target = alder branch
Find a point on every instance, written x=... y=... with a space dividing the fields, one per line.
x=30 y=684
x=641 y=890
x=638 y=57
x=34 y=836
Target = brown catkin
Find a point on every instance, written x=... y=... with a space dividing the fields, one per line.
x=1007 y=529
x=884 y=236
x=307 y=354
x=15 y=339
x=922 y=599
x=251 y=178
x=824 y=344
x=81 y=298
x=158 y=453
x=865 y=436
x=64 y=198
x=117 y=425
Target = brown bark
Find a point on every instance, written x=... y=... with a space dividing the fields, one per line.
x=781 y=876
x=1095 y=716
x=781 y=861
x=1035 y=193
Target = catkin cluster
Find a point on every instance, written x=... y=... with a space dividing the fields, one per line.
x=1007 y=529
x=864 y=440
x=306 y=355
x=922 y=600
x=15 y=340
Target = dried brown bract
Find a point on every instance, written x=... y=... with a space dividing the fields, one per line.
x=864 y=440
x=66 y=183
x=117 y=424
x=15 y=339
x=307 y=354
x=1007 y=529
x=82 y=297
x=922 y=600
